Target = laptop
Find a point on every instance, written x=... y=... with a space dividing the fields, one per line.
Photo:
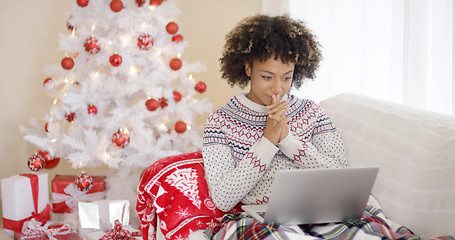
x=310 y=196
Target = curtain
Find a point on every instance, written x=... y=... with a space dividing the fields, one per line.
x=396 y=50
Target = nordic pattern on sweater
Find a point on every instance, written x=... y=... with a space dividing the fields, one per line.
x=240 y=164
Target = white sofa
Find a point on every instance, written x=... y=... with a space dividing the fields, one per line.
x=415 y=151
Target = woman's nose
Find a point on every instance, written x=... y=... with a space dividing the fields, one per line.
x=276 y=86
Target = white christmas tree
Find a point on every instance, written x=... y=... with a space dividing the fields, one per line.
x=123 y=97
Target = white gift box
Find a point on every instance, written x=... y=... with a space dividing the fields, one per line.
x=102 y=214
x=17 y=199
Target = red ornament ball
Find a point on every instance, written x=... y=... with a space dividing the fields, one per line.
x=67 y=63
x=177 y=38
x=155 y=2
x=172 y=28
x=47 y=80
x=70 y=116
x=115 y=60
x=82 y=3
x=177 y=96
x=91 y=109
x=84 y=182
x=51 y=162
x=175 y=64
x=145 y=41
x=91 y=45
x=152 y=104
x=36 y=162
x=200 y=87
x=46 y=127
x=121 y=138
x=116 y=5
x=180 y=126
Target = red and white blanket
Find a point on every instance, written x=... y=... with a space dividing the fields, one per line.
x=174 y=189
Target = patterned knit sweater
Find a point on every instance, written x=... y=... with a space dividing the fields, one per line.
x=240 y=164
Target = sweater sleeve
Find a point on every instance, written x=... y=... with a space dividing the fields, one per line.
x=230 y=180
x=314 y=144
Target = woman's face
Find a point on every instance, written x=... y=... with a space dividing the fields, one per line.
x=268 y=78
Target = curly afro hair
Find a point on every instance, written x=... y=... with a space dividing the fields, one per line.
x=260 y=37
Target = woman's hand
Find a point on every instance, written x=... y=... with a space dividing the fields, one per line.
x=276 y=128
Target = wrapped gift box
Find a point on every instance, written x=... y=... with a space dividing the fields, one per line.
x=35 y=231
x=23 y=195
x=65 y=195
x=99 y=234
x=102 y=214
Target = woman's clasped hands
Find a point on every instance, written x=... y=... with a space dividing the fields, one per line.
x=276 y=128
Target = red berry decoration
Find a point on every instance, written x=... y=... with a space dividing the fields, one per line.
x=152 y=104
x=36 y=162
x=47 y=80
x=82 y=3
x=46 y=127
x=115 y=60
x=200 y=87
x=121 y=138
x=116 y=5
x=70 y=116
x=155 y=2
x=69 y=26
x=140 y=3
x=163 y=102
x=175 y=64
x=177 y=96
x=145 y=41
x=91 y=109
x=172 y=28
x=180 y=126
x=84 y=182
x=91 y=45
x=67 y=63
x=177 y=38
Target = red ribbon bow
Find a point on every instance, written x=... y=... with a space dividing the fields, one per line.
x=42 y=217
x=118 y=233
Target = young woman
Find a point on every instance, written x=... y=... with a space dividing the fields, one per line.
x=266 y=129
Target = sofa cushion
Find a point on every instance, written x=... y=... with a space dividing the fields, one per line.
x=415 y=151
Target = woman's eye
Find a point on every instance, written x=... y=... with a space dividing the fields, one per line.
x=266 y=77
x=288 y=78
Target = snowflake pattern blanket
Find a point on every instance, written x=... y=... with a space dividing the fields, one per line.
x=174 y=190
